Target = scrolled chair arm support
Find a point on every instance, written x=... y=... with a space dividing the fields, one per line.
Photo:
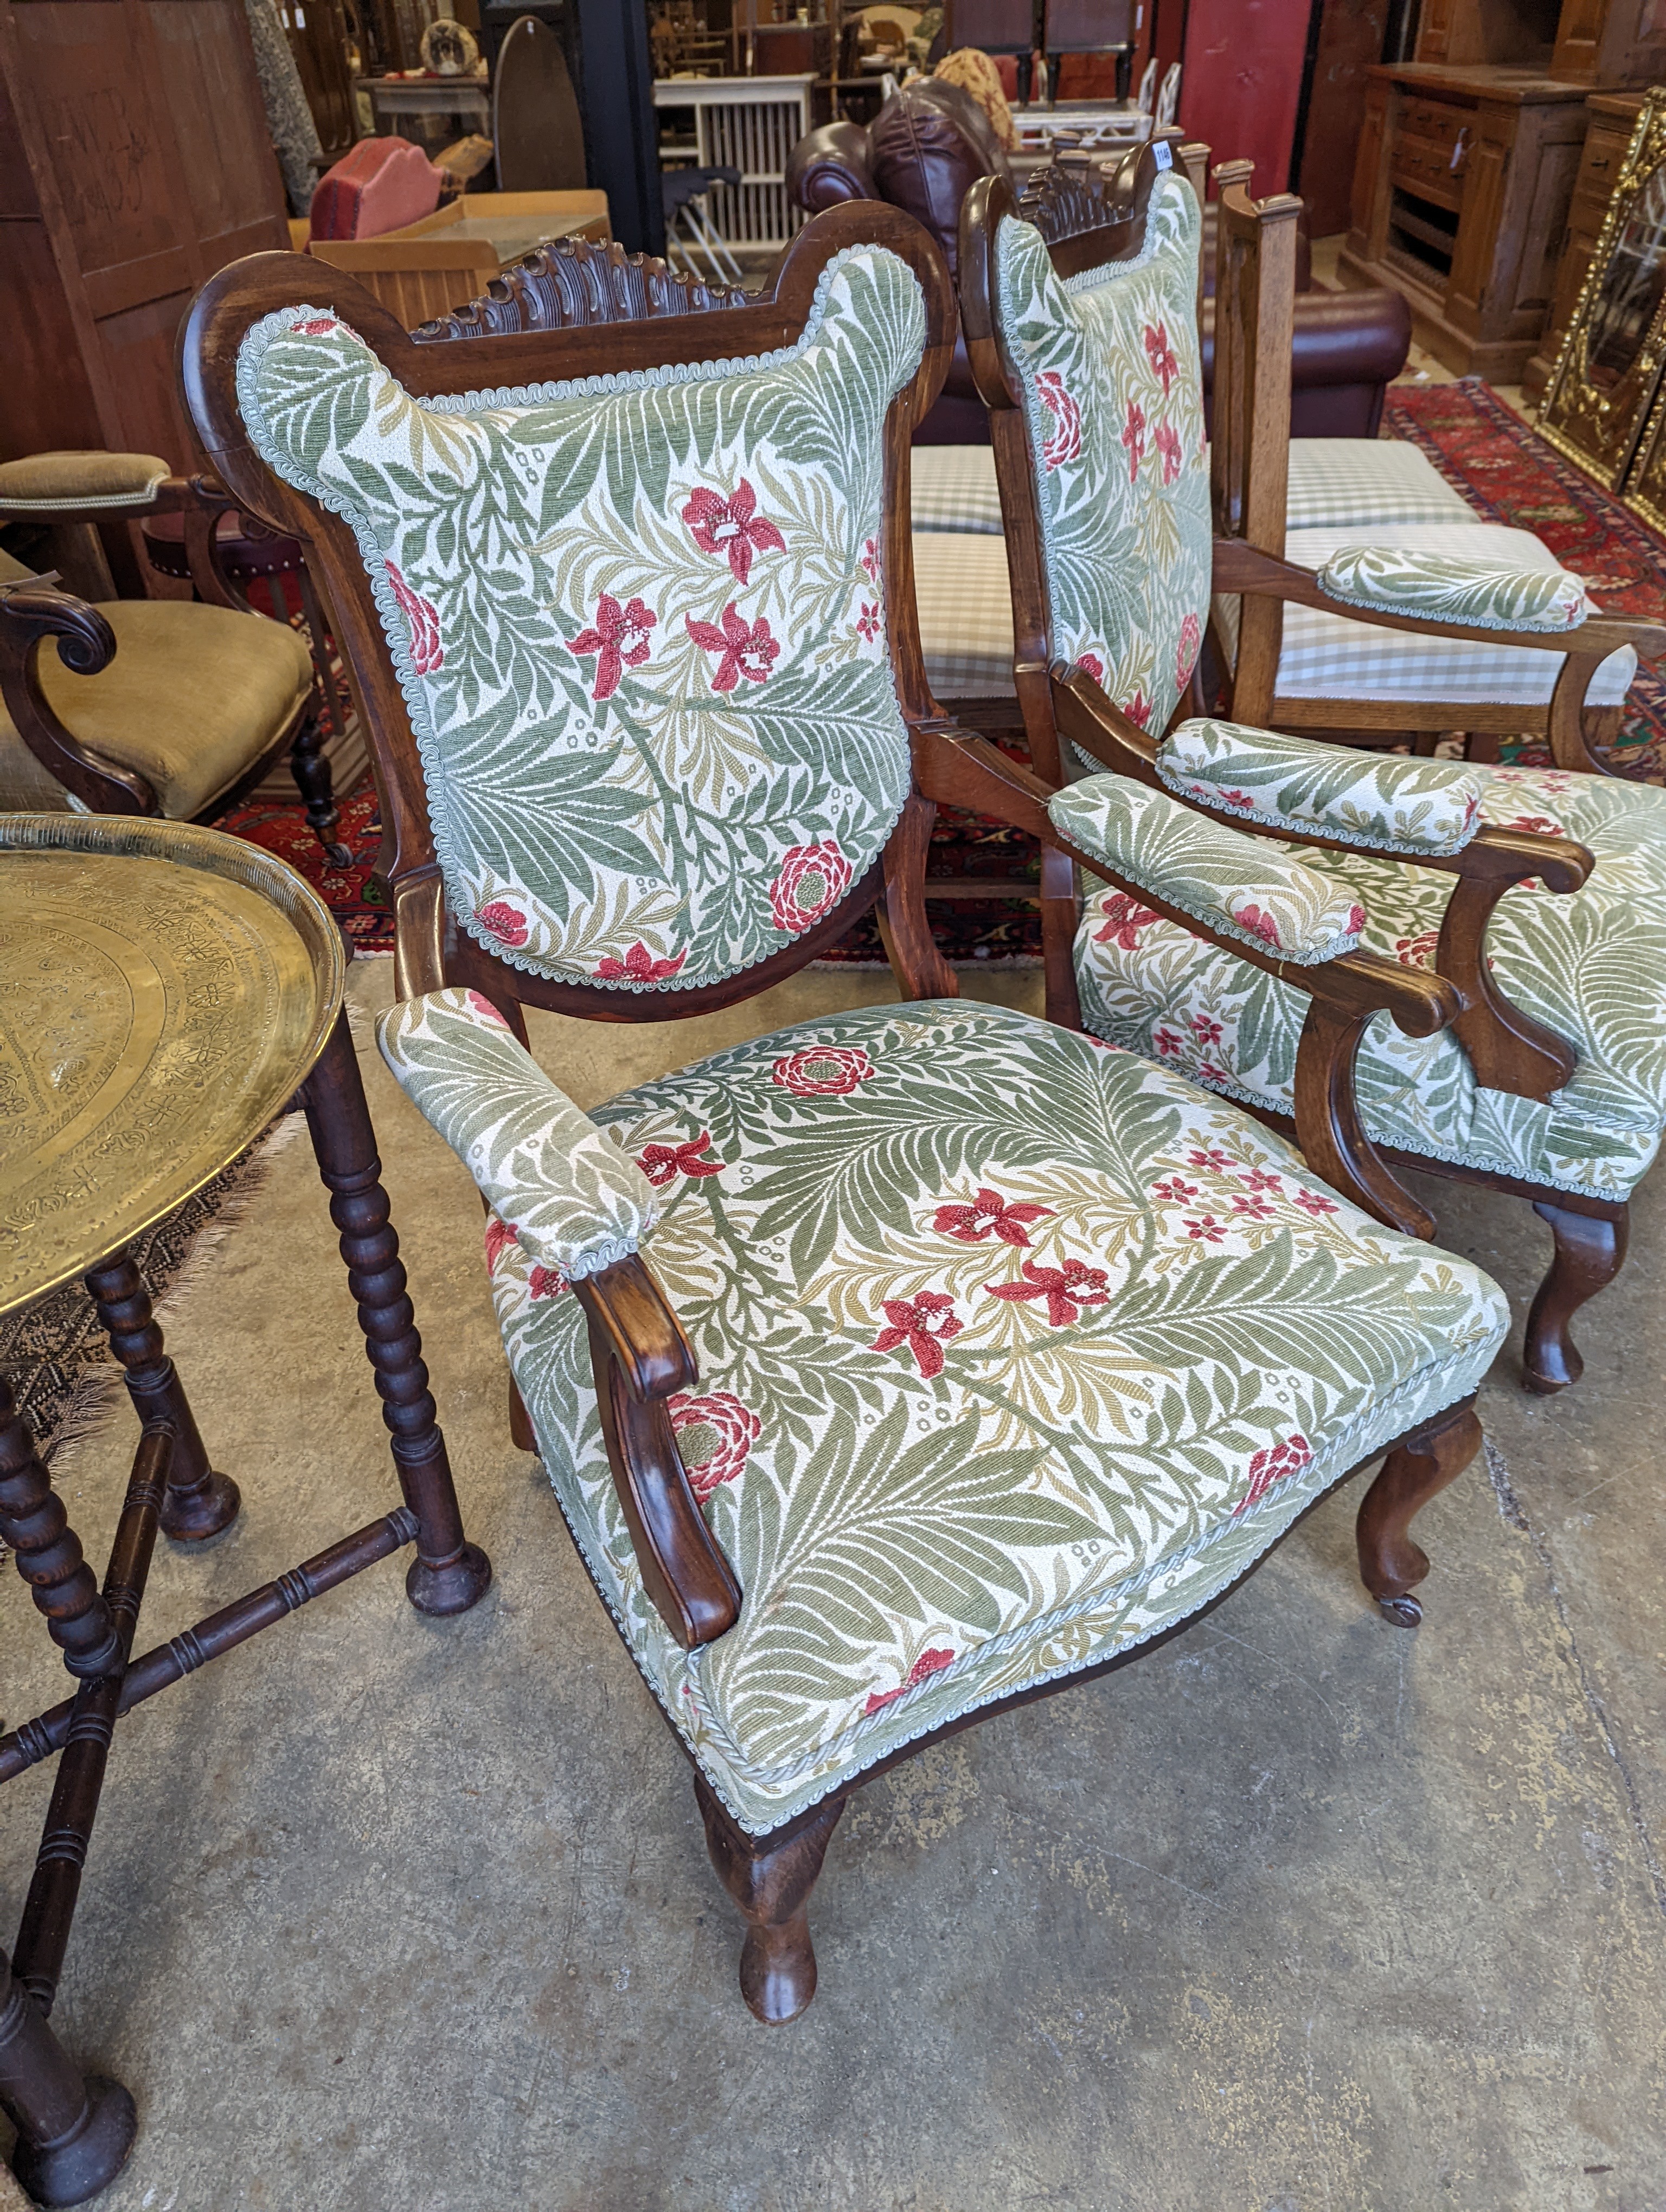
x=30 y=613
x=958 y=769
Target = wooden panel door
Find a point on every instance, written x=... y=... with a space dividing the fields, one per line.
x=1351 y=34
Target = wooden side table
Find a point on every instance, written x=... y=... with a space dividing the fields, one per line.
x=164 y=992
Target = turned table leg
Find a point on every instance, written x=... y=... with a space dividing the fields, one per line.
x=448 y=1573
x=48 y=1552
x=74 y=2129
x=198 y=1502
x=772 y=1888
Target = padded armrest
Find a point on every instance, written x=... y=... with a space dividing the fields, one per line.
x=1381 y=804
x=1346 y=349
x=1471 y=589
x=65 y=482
x=571 y=1198
x=830 y=166
x=1238 y=885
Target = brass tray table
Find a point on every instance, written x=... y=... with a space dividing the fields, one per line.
x=165 y=991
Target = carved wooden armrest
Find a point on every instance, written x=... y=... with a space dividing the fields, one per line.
x=31 y=613
x=958 y=769
x=108 y=497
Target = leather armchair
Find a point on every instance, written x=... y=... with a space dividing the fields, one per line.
x=926 y=147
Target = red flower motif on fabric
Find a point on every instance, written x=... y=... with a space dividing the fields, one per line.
x=1138 y=710
x=1205 y=1229
x=1310 y=1202
x=1255 y=1209
x=481 y=1005
x=1263 y=1179
x=1091 y=665
x=1540 y=822
x=546 y=1282
x=1205 y=1028
x=1250 y=917
x=500 y=1235
x=1161 y=354
x=639 y=966
x=822 y=1071
x=1174 y=1191
x=813 y=878
x=715 y=1433
x=505 y=922
x=1209 y=1160
x=924 y=1324
x=1186 y=651
x=1243 y=799
x=867 y=623
x=1167 y=443
x=748 y=650
x=661 y=1163
x=1417 y=952
x=927 y=1664
x=1167 y=1041
x=989 y=1214
x=1211 y=1071
x=1064 y=439
x=426 y=654
x=1124 y=920
x=1272 y=1464
x=731 y=526
x=1134 y=437
x=1067 y=1289
x=871 y=560
x=316 y=328
x=1356 y=921
x=618 y=638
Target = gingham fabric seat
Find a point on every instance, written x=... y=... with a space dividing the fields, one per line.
x=1327 y=656
x=965 y=603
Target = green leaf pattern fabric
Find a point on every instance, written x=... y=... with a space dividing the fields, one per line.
x=554 y=1181
x=639 y=621
x=1294 y=783
x=1592 y=965
x=1014 y=1350
x=1109 y=366
x=1247 y=888
x=1486 y=594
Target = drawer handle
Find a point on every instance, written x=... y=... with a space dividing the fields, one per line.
x=1460 y=147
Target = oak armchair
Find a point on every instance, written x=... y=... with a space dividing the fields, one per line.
x=1535 y=896
x=153 y=706
x=882 y=1375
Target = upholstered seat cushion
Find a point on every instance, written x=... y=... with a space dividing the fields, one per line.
x=1592 y=965
x=1013 y=1350
x=1329 y=656
x=965 y=604
x=192 y=699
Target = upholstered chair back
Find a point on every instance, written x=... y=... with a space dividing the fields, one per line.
x=1106 y=363
x=637 y=617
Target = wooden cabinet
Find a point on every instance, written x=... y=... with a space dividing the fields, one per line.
x=1613 y=118
x=134 y=162
x=1461 y=195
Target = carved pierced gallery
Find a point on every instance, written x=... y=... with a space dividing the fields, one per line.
x=832 y=1016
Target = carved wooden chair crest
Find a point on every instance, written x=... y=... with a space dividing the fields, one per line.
x=905 y=1363
x=1536 y=898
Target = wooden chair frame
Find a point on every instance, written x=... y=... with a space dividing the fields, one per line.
x=30 y=612
x=1088 y=216
x=1254 y=317
x=641 y=1355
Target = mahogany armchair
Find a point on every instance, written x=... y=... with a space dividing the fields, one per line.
x=1535 y=896
x=903 y=1365
x=154 y=706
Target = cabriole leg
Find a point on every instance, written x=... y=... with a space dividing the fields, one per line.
x=772 y=1888
x=74 y=2130
x=1390 y=1564
x=1590 y=1250
x=448 y=1573
x=198 y=1501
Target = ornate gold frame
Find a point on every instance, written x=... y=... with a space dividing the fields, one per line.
x=1602 y=431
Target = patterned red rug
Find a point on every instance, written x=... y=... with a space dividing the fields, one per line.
x=1506 y=472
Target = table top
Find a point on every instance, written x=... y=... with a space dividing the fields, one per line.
x=164 y=990
x=412 y=92
x=510 y=236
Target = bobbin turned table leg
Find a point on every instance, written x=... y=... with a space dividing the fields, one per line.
x=198 y=1501
x=74 y=2129
x=448 y=1573
x=48 y=1552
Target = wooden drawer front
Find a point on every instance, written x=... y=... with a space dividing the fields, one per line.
x=1438 y=121
x=1425 y=168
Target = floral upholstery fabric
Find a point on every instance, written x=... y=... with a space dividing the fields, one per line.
x=1013 y=1351
x=1487 y=594
x=1247 y=889
x=574 y=1200
x=1295 y=783
x=1592 y=966
x=639 y=621
x=1113 y=393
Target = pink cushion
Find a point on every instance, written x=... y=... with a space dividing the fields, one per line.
x=382 y=184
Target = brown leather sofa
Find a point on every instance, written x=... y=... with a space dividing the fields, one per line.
x=929 y=144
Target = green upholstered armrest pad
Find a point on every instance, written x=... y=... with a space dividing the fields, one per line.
x=1479 y=592
x=1241 y=887
x=1388 y=805
x=573 y=1199
x=45 y=483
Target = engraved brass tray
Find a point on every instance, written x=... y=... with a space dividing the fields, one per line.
x=163 y=992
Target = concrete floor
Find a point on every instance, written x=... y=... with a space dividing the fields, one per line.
x=1304 y=1914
